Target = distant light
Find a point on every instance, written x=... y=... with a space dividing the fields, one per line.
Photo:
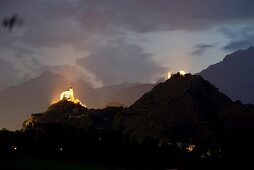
x=190 y=148
x=169 y=75
x=14 y=148
x=182 y=72
x=61 y=149
x=179 y=144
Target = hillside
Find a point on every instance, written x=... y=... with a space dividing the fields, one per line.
x=234 y=76
x=76 y=115
x=185 y=111
x=17 y=102
x=183 y=108
x=34 y=95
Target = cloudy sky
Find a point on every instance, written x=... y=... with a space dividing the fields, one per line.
x=111 y=41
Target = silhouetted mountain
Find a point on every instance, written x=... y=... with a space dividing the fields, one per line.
x=184 y=111
x=130 y=94
x=34 y=95
x=184 y=108
x=102 y=96
x=17 y=102
x=234 y=76
x=114 y=104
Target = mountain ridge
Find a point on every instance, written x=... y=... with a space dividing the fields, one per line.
x=34 y=95
x=234 y=75
x=184 y=108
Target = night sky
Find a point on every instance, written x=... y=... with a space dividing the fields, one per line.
x=111 y=41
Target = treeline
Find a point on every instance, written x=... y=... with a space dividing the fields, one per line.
x=61 y=141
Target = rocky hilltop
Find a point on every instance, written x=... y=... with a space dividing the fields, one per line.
x=73 y=114
x=184 y=108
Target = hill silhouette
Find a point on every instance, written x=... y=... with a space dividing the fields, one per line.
x=184 y=118
x=187 y=109
x=234 y=76
x=184 y=110
x=76 y=115
x=17 y=102
x=184 y=122
x=34 y=95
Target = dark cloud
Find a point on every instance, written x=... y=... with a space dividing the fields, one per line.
x=241 y=38
x=9 y=75
x=134 y=15
x=54 y=22
x=231 y=34
x=121 y=61
x=237 y=45
x=47 y=23
x=72 y=74
x=150 y=15
x=22 y=52
x=87 y=25
x=201 y=48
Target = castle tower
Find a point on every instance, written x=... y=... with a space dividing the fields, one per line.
x=69 y=96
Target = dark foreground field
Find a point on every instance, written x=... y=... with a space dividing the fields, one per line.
x=29 y=163
x=44 y=164
x=16 y=162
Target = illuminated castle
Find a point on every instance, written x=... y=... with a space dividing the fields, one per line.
x=69 y=96
x=181 y=72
